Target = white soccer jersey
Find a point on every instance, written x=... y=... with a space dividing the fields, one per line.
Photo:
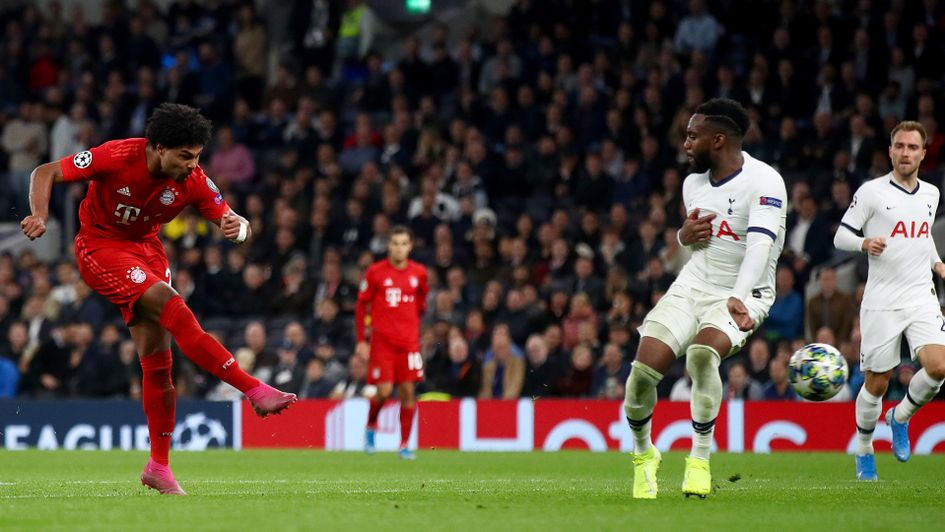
x=754 y=199
x=902 y=276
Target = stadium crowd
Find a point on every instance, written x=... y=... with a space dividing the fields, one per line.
x=536 y=157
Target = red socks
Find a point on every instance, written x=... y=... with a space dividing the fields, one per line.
x=373 y=412
x=406 y=423
x=202 y=348
x=160 y=400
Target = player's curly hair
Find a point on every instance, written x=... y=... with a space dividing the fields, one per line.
x=727 y=115
x=173 y=125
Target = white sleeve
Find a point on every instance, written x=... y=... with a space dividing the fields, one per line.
x=847 y=240
x=753 y=265
x=768 y=202
x=936 y=257
x=858 y=212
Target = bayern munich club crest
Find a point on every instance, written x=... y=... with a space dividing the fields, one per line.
x=136 y=275
x=168 y=196
x=413 y=282
x=82 y=159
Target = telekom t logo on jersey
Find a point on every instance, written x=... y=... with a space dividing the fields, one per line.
x=126 y=213
x=910 y=231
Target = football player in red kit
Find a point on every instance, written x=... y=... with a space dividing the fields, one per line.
x=135 y=185
x=395 y=288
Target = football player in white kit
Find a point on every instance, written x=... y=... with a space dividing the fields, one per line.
x=735 y=227
x=890 y=218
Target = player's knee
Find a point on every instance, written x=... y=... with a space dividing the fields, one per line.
x=642 y=380
x=936 y=368
x=152 y=302
x=701 y=359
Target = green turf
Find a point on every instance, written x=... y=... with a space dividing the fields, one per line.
x=272 y=491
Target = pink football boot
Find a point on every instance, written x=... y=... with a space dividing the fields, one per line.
x=159 y=477
x=268 y=400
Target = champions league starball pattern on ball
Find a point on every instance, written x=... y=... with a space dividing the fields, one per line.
x=817 y=372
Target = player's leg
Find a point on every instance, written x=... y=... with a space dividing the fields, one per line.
x=384 y=391
x=408 y=370
x=928 y=333
x=408 y=407
x=718 y=337
x=879 y=355
x=666 y=329
x=161 y=303
x=380 y=374
x=703 y=358
x=160 y=400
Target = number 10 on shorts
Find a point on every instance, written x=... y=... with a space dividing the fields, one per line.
x=414 y=361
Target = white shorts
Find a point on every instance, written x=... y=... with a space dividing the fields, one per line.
x=682 y=312
x=882 y=331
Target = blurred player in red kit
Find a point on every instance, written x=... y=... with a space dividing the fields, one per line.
x=396 y=290
x=135 y=186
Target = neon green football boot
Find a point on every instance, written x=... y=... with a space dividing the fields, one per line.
x=645 y=466
x=697 y=479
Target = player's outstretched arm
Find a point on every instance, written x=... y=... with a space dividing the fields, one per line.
x=235 y=228
x=41 y=183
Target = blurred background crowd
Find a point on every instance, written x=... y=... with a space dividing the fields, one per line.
x=533 y=147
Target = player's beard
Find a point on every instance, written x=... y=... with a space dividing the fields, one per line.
x=701 y=162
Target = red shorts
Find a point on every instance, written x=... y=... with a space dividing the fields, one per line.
x=394 y=362
x=121 y=270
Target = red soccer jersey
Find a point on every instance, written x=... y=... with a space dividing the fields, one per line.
x=125 y=202
x=397 y=298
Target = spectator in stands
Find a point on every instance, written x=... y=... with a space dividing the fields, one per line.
x=25 y=140
x=503 y=372
x=315 y=385
x=779 y=388
x=738 y=385
x=231 y=164
x=610 y=374
x=759 y=360
x=786 y=318
x=581 y=311
x=458 y=374
x=355 y=384
x=830 y=307
x=577 y=377
x=541 y=374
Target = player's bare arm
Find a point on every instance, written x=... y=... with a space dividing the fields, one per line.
x=235 y=228
x=41 y=183
x=696 y=229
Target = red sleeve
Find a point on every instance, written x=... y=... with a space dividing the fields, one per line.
x=422 y=290
x=207 y=197
x=90 y=163
x=365 y=296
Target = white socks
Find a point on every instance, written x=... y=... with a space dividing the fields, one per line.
x=703 y=362
x=639 y=402
x=922 y=388
x=868 y=409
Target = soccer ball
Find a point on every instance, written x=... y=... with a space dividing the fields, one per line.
x=817 y=372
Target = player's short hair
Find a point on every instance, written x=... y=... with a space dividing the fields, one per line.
x=909 y=125
x=725 y=114
x=173 y=125
x=401 y=230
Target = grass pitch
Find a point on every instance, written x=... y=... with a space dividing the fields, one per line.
x=311 y=490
